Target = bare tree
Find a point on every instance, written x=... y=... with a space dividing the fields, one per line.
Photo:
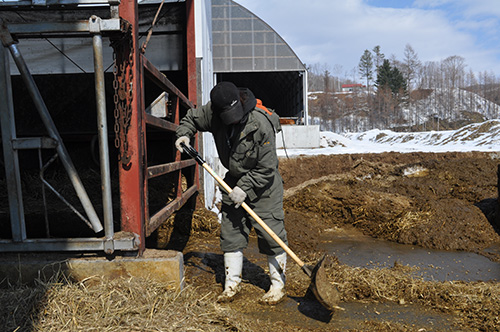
x=454 y=70
x=410 y=65
x=337 y=71
x=471 y=87
x=394 y=62
x=315 y=77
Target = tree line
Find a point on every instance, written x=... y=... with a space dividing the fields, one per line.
x=394 y=89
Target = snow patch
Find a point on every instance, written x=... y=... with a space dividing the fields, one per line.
x=484 y=136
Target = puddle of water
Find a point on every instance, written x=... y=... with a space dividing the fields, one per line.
x=355 y=316
x=409 y=315
x=358 y=250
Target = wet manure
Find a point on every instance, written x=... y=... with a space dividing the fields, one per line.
x=476 y=303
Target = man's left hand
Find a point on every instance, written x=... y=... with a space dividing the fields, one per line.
x=238 y=196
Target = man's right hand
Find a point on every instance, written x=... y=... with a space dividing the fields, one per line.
x=182 y=139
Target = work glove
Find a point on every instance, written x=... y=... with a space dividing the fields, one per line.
x=238 y=196
x=182 y=139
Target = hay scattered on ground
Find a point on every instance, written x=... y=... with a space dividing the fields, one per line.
x=133 y=304
x=180 y=226
x=476 y=303
x=98 y=304
x=137 y=304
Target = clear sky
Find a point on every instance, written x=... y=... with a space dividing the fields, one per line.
x=335 y=33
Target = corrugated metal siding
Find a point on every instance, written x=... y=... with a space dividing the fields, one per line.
x=243 y=42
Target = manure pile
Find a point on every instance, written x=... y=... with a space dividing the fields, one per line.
x=438 y=201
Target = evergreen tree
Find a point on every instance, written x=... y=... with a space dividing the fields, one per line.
x=390 y=78
x=326 y=80
x=398 y=82
x=366 y=67
x=378 y=57
x=383 y=80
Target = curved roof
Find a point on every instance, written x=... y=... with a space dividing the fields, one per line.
x=243 y=42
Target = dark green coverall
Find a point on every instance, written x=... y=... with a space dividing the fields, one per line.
x=248 y=152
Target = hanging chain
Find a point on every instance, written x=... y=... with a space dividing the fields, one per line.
x=123 y=97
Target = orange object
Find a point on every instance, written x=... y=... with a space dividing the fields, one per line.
x=262 y=107
x=285 y=121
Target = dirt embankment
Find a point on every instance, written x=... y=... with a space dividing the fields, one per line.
x=440 y=201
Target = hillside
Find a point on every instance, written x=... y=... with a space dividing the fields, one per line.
x=422 y=110
x=483 y=136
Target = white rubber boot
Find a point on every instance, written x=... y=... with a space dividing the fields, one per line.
x=277 y=268
x=233 y=265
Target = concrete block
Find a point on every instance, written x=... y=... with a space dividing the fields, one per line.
x=160 y=265
x=298 y=137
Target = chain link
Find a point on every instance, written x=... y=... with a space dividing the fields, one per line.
x=123 y=97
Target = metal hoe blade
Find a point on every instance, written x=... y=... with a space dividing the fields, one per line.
x=325 y=293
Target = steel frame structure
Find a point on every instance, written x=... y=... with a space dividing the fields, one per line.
x=134 y=172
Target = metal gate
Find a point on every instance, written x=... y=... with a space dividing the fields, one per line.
x=134 y=121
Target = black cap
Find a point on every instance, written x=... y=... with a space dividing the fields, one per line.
x=225 y=98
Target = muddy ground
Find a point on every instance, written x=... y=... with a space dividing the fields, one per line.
x=433 y=200
x=446 y=201
x=441 y=201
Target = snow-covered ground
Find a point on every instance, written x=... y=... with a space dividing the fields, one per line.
x=483 y=136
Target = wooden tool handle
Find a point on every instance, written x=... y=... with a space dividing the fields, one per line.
x=261 y=222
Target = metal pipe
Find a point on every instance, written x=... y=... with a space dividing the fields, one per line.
x=52 y=130
x=11 y=161
x=44 y=197
x=43 y=168
x=61 y=197
x=125 y=242
x=102 y=126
